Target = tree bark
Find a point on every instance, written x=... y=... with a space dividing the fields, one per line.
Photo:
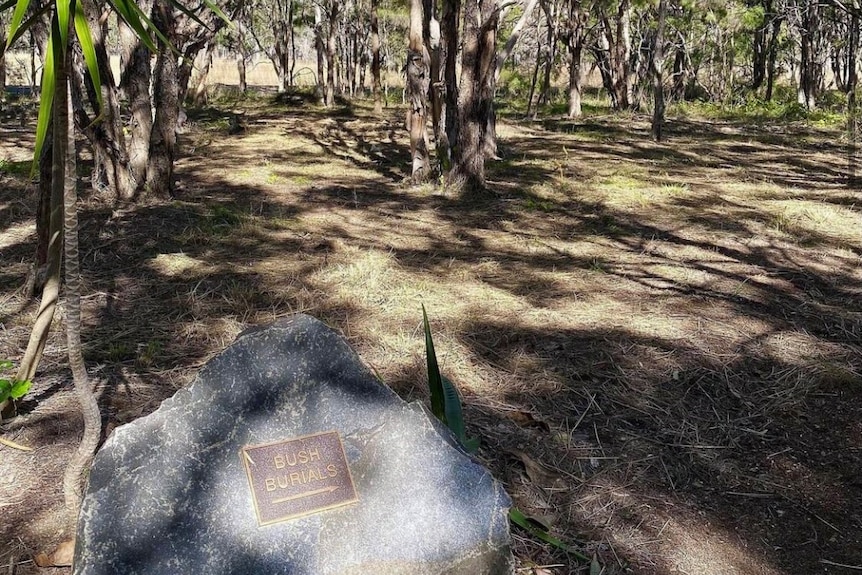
x=514 y=37
x=449 y=39
x=163 y=140
x=135 y=84
x=199 y=93
x=657 y=74
x=375 y=59
x=773 y=56
x=73 y=478
x=331 y=51
x=575 y=40
x=111 y=160
x=418 y=82
x=476 y=98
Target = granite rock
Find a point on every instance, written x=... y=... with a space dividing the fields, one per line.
x=169 y=493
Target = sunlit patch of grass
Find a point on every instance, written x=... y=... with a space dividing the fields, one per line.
x=178 y=265
x=19 y=169
x=808 y=220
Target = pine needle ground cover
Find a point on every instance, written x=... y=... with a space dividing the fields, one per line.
x=657 y=345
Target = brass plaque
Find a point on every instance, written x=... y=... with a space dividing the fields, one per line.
x=298 y=477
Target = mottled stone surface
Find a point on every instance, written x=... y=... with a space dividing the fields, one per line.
x=169 y=494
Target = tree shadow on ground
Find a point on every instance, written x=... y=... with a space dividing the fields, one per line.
x=673 y=380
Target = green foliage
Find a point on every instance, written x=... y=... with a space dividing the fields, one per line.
x=12 y=388
x=10 y=168
x=758 y=111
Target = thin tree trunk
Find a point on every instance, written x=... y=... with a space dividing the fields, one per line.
x=773 y=56
x=418 y=81
x=552 y=20
x=449 y=38
x=320 y=50
x=241 y=52
x=163 y=141
x=852 y=106
x=514 y=37
x=657 y=74
x=375 y=59
x=577 y=26
x=331 y=52
x=2 y=59
x=73 y=478
x=199 y=93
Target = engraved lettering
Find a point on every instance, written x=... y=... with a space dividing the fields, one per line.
x=296 y=478
x=270 y=484
x=331 y=470
x=279 y=461
x=313 y=455
x=289 y=462
x=282 y=481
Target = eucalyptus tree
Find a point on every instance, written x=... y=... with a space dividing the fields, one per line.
x=476 y=94
x=575 y=37
x=418 y=82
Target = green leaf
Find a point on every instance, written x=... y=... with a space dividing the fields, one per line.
x=130 y=17
x=63 y=15
x=82 y=30
x=445 y=400
x=17 y=17
x=435 y=381
x=20 y=389
x=6 y=364
x=517 y=517
x=22 y=29
x=46 y=101
x=595 y=566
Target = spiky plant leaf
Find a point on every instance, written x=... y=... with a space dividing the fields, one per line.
x=85 y=39
x=435 y=381
x=517 y=517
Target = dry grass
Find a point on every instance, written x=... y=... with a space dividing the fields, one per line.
x=658 y=345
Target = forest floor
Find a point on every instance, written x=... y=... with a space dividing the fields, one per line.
x=659 y=345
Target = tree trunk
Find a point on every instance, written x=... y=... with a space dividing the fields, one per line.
x=808 y=72
x=852 y=109
x=618 y=42
x=449 y=38
x=657 y=74
x=135 y=84
x=375 y=59
x=320 y=50
x=331 y=52
x=241 y=52
x=576 y=36
x=773 y=56
x=550 y=51
x=111 y=160
x=476 y=98
x=513 y=38
x=2 y=60
x=418 y=82
x=760 y=47
x=163 y=141
x=73 y=478
x=199 y=93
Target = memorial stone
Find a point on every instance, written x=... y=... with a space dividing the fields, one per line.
x=287 y=456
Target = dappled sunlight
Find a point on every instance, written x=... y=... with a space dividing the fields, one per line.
x=654 y=343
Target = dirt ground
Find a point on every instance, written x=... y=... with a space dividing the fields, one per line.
x=659 y=346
